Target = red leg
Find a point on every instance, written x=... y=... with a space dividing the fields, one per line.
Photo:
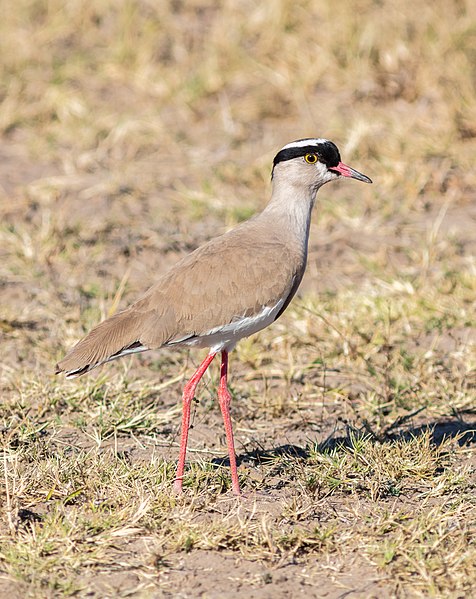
x=187 y=397
x=224 y=397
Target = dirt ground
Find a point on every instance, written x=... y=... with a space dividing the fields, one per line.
x=131 y=134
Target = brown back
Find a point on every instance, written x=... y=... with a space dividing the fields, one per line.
x=234 y=275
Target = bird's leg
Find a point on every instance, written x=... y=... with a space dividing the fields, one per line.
x=224 y=397
x=187 y=397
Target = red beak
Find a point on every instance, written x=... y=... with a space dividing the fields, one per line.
x=347 y=171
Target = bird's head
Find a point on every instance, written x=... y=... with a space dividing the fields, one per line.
x=311 y=163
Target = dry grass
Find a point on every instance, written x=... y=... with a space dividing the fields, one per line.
x=131 y=132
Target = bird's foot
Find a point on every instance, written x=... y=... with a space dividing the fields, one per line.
x=178 y=486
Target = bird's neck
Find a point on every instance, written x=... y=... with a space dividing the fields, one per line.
x=290 y=207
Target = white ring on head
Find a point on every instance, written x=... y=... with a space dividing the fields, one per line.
x=304 y=142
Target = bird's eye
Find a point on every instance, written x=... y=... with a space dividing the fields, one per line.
x=310 y=158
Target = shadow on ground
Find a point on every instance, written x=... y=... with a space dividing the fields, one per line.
x=464 y=432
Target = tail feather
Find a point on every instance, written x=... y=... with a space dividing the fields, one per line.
x=115 y=337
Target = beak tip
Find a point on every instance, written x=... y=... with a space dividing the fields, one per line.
x=348 y=171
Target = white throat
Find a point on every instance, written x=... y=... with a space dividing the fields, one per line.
x=291 y=207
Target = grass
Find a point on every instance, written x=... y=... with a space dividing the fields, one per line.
x=131 y=132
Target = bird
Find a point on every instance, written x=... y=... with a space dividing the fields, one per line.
x=229 y=288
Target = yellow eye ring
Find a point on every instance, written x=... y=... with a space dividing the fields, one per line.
x=310 y=158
